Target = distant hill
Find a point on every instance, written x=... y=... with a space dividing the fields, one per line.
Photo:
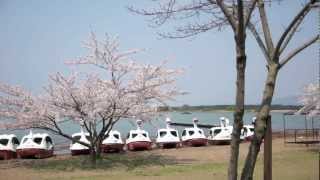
x=289 y=100
x=281 y=103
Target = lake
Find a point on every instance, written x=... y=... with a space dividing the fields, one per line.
x=207 y=117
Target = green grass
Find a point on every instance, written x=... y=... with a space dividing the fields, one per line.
x=179 y=169
x=293 y=164
x=106 y=162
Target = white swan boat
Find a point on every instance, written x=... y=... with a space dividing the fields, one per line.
x=113 y=142
x=194 y=136
x=168 y=137
x=8 y=146
x=248 y=131
x=222 y=134
x=39 y=145
x=77 y=148
x=138 y=139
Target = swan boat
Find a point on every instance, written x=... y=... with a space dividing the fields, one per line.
x=248 y=131
x=138 y=139
x=77 y=148
x=168 y=137
x=194 y=136
x=221 y=135
x=113 y=142
x=39 y=145
x=8 y=146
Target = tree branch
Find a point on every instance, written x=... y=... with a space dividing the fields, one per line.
x=295 y=20
x=226 y=12
x=172 y=10
x=260 y=42
x=265 y=27
x=193 y=29
x=291 y=33
x=167 y=11
x=297 y=50
x=249 y=12
x=241 y=28
x=106 y=127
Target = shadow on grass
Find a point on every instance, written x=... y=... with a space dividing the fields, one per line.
x=130 y=162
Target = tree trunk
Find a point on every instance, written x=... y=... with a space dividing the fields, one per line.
x=260 y=123
x=95 y=152
x=239 y=110
x=93 y=157
x=267 y=152
x=98 y=149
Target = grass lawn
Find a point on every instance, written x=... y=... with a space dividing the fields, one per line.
x=292 y=162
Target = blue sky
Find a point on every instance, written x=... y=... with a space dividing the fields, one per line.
x=38 y=36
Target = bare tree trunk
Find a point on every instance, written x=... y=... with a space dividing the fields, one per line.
x=98 y=149
x=240 y=41
x=267 y=152
x=93 y=157
x=95 y=153
x=260 y=123
x=238 y=114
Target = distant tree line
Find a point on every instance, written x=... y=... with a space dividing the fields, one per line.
x=250 y=107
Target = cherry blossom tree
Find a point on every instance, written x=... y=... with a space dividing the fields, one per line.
x=310 y=100
x=130 y=90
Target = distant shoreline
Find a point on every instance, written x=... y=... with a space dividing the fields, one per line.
x=228 y=108
x=282 y=110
